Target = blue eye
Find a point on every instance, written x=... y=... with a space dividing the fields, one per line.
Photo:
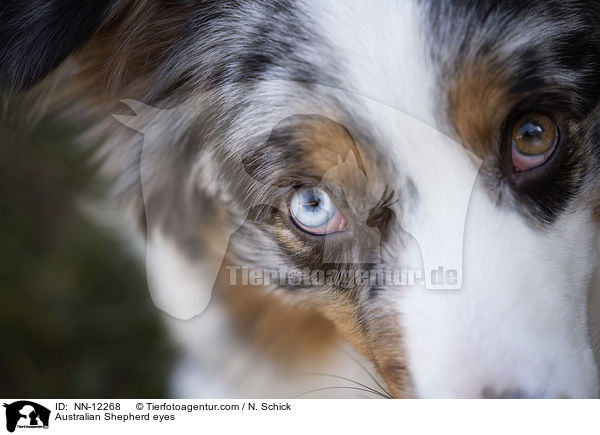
x=313 y=211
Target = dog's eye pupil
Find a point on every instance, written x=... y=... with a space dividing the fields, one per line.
x=531 y=137
x=531 y=132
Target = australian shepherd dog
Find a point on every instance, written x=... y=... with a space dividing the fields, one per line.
x=344 y=198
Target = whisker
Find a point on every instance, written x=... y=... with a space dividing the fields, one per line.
x=335 y=388
x=348 y=380
x=366 y=371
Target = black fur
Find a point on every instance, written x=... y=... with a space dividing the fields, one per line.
x=37 y=35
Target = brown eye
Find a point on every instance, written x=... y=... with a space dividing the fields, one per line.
x=534 y=139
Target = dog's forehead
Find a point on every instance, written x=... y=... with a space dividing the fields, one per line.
x=382 y=53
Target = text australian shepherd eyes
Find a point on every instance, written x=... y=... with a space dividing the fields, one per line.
x=454 y=142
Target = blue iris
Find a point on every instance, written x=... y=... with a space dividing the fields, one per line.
x=312 y=207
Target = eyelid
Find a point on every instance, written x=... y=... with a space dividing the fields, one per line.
x=335 y=225
x=524 y=163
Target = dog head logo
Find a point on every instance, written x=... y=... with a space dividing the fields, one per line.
x=26 y=414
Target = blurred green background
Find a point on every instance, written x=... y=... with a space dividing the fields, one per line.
x=76 y=319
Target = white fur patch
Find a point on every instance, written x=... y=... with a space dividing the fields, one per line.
x=519 y=323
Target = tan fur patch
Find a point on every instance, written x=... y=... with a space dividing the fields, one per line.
x=295 y=332
x=329 y=142
x=387 y=351
x=478 y=102
x=289 y=333
x=295 y=328
x=379 y=338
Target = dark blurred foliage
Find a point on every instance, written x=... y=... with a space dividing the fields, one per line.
x=76 y=319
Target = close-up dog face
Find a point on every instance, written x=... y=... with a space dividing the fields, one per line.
x=453 y=143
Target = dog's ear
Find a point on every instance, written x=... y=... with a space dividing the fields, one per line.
x=37 y=35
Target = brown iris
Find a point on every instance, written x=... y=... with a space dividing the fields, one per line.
x=534 y=138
